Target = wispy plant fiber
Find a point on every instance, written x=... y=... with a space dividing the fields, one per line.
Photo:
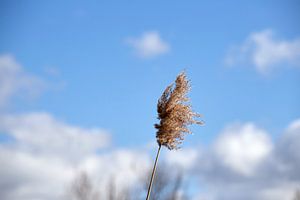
x=175 y=114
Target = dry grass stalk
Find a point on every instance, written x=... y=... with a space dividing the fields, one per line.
x=175 y=114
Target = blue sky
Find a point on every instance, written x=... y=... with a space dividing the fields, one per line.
x=106 y=85
x=94 y=67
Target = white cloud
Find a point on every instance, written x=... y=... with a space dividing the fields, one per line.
x=245 y=164
x=288 y=152
x=285 y=191
x=294 y=126
x=29 y=176
x=26 y=175
x=149 y=45
x=45 y=155
x=13 y=80
x=125 y=167
x=41 y=133
x=243 y=147
x=182 y=158
x=265 y=52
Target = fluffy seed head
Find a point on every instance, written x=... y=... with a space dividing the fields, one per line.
x=175 y=114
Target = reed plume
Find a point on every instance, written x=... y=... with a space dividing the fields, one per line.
x=175 y=115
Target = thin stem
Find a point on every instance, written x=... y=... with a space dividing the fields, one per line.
x=153 y=173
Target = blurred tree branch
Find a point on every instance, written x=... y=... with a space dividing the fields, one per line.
x=168 y=186
x=82 y=188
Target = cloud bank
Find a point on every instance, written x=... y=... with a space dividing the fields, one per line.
x=44 y=155
x=244 y=163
